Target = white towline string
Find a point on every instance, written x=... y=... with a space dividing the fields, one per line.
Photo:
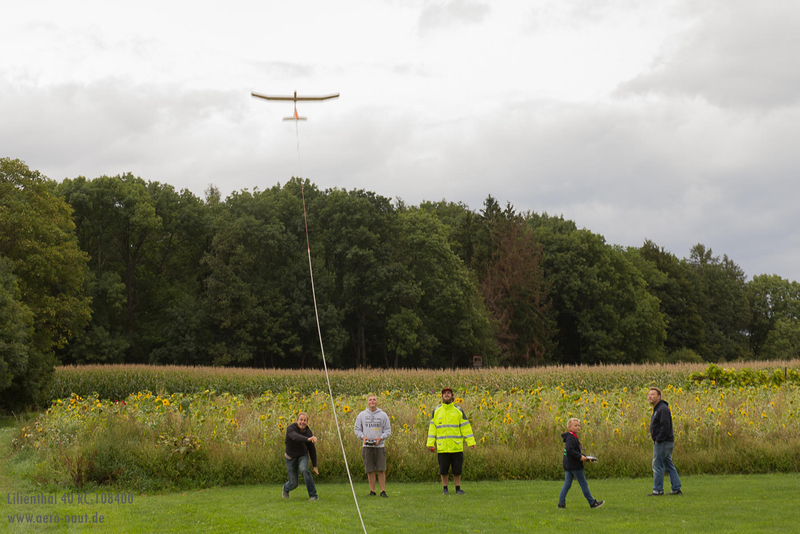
x=300 y=167
x=321 y=346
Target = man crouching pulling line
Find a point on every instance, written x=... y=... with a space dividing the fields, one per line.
x=299 y=448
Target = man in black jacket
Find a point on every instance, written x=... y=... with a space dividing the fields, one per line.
x=573 y=465
x=299 y=448
x=663 y=443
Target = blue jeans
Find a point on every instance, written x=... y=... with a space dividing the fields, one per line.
x=292 y=465
x=662 y=459
x=578 y=475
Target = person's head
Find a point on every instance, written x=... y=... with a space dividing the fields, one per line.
x=302 y=420
x=372 y=403
x=447 y=395
x=654 y=395
x=574 y=425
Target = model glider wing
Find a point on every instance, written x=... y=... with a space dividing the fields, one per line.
x=312 y=98
x=295 y=98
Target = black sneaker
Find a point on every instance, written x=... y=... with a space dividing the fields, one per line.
x=676 y=492
x=445 y=492
x=562 y=505
x=383 y=494
x=460 y=492
x=597 y=504
x=656 y=494
x=372 y=494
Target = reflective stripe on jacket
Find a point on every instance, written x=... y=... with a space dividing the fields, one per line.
x=450 y=429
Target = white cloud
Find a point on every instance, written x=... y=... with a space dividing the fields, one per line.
x=741 y=54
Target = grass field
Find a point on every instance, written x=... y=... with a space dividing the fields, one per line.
x=734 y=503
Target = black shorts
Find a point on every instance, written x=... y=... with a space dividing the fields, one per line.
x=446 y=459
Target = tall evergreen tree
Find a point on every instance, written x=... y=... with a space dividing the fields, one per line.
x=516 y=293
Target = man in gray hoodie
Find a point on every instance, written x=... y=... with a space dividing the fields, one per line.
x=372 y=428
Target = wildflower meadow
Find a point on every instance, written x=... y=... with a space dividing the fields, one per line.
x=156 y=440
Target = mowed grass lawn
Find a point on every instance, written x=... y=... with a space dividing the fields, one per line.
x=737 y=503
x=758 y=503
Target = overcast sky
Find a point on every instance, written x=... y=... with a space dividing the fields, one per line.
x=669 y=120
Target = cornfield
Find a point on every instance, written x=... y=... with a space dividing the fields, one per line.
x=116 y=382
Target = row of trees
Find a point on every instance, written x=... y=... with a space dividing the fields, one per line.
x=118 y=269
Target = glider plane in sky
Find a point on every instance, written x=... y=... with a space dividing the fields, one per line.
x=295 y=99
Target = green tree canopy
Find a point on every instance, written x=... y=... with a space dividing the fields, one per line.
x=775 y=316
x=722 y=303
x=441 y=291
x=38 y=244
x=670 y=280
x=145 y=242
x=601 y=305
x=16 y=329
x=356 y=231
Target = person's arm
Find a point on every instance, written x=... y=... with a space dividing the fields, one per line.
x=293 y=434
x=431 y=443
x=358 y=428
x=312 y=453
x=654 y=425
x=658 y=425
x=386 y=428
x=466 y=430
x=573 y=450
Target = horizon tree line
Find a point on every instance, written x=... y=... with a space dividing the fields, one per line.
x=123 y=270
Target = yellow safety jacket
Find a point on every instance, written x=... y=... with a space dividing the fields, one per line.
x=449 y=429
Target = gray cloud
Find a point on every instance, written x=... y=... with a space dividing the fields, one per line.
x=739 y=54
x=411 y=69
x=283 y=70
x=574 y=13
x=111 y=127
x=439 y=14
x=676 y=171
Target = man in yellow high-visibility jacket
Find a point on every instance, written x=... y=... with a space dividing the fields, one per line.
x=448 y=431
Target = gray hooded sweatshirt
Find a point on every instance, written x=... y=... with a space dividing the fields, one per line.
x=373 y=425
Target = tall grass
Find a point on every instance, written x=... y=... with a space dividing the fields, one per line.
x=151 y=441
